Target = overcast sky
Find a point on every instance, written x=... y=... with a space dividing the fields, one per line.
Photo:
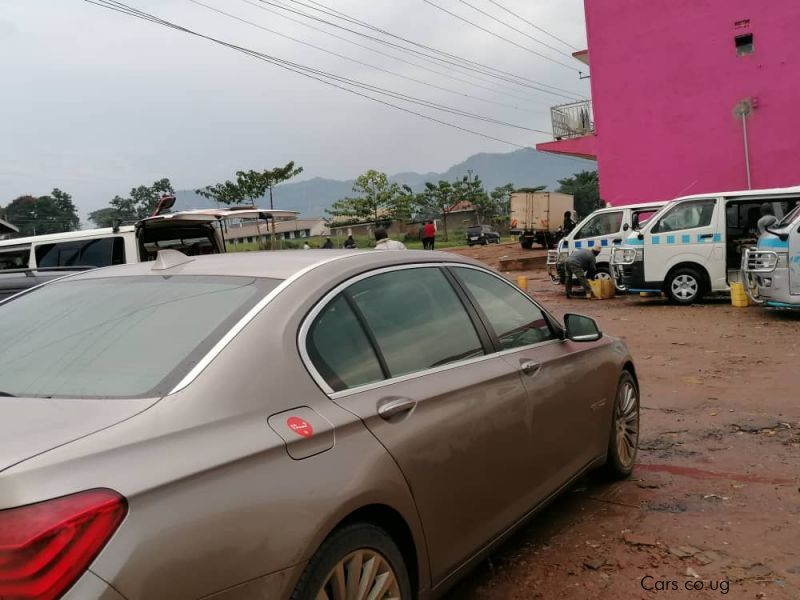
x=95 y=102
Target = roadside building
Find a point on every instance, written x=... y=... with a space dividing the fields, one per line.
x=7 y=230
x=687 y=97
x=252 y=232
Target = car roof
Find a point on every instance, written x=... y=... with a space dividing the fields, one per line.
x=66 y=236
x=277 y=264
x=744 y=193
x=633 y=206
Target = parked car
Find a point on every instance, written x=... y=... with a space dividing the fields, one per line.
x=694 y=246
x=482 y=234
x=300 y=424
x=29 y=261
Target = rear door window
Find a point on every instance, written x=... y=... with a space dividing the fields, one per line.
x=15 y=258
x=516 y=320
x=99 y=252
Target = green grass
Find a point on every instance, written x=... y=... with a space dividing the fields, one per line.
x=457 y=240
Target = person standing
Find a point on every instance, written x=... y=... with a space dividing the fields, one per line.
x=569 y=223
x=384 y=243
x=582 y=264
x=429 y=235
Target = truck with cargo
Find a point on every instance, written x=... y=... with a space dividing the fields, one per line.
x=538 y=217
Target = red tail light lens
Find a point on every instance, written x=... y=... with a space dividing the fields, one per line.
x=46 y=547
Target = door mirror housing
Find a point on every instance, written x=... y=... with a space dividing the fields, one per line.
x=626 y=227
x=641 y=236
x=581 y=329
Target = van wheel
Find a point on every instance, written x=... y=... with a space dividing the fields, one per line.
x=357 y=561
x=624 y=439
x=684 y=286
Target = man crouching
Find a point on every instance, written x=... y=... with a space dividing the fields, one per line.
x=583 y=265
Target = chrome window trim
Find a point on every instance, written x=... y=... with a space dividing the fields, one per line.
x=244 y=321
x=322 y=304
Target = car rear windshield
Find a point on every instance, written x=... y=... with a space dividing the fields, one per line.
x=474 y=229
x=117 y=337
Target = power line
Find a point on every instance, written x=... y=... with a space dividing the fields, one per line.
x=496 y=89
x=356 y=61
x=544 y=31
x=449 y=59
x=376 y=89
x=120 y=7
x=500 y=37
x=504 y=23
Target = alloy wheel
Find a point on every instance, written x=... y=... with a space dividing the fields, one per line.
x=361 y=575
x=685 y=287
x=603 y=275
x=626 y=423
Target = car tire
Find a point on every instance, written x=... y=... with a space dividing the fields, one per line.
x=526 y=244
x=684 y=286
x=353 y=545
x=623 y=441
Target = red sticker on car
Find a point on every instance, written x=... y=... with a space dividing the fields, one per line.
x=300 y=426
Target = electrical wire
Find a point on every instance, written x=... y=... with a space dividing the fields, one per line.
x=498 y=87
x=513 y=28
x=123 y=8
x=353 y=60
x=500 y=37
x=449 y=59
x=544 y=31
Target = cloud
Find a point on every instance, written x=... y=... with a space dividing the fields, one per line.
x=96 y=102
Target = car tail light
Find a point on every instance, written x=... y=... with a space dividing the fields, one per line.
x=46 y=547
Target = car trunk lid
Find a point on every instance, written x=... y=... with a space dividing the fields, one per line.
x=32 y=426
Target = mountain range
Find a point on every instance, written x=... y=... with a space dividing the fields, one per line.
x=522 y=168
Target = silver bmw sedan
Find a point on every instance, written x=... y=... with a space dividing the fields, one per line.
x=301 y=425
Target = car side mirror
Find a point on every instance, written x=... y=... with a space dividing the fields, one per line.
x=641 y=236
x=581 y=329
x=626 y=227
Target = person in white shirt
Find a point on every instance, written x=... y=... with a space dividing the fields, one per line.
x=384 y=243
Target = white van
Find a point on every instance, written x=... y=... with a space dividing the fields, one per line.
x=191 y=232
x=604 y=228
x=695 y=244
x=772 y=269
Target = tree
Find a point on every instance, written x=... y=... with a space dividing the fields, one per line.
x=501 y=199
x=439 y=199
x=146 y=198
x=46 y=214
x=250 y=185
x=104 y=217
x=585 y=187
x=378 y=200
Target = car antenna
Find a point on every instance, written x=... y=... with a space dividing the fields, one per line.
x=167 y=259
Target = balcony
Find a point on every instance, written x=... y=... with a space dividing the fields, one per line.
x=572 y=120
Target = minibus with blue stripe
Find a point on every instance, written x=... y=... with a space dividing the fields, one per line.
x=772 y=270
x=604 y=228
x=695 y=245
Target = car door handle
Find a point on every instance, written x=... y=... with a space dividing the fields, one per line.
x=706 y=236
x=391 y=407
x=617 y=241
x=530 y=367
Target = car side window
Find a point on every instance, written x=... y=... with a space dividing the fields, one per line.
x=340 y=349
x=417 y=319
x=602 y=224
x=516 y=320
x=686 y=215
x=99 y=252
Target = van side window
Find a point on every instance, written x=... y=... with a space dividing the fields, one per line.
x=641 y=217
x=686 y=215
x=99 y=252
x=15 y=258
x=603 y=224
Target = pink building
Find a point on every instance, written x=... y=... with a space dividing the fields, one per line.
x=688 y=96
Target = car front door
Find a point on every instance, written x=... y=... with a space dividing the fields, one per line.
x=569 y=385
x=794 y=258
x=456 y=417
x=686 y=233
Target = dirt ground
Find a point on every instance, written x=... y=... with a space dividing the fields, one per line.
x=713 y=506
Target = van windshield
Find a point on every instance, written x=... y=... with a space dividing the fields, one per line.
x=117 y=337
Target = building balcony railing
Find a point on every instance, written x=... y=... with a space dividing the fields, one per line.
x=572 y=120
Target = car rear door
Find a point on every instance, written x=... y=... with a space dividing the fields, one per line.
x=455 y=417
